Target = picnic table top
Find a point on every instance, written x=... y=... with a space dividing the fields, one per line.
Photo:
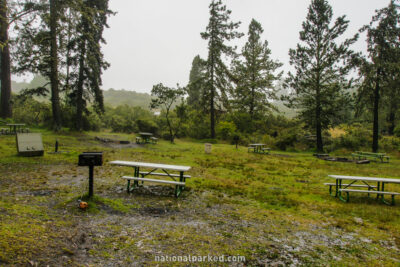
x=145 y=134
x=15 y=124
x=150 y=165
x=370 y=179
x=257 y=144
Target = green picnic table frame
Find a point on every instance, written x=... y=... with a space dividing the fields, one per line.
x=166 y=168
x=380 y=186
x=14 y=127
x=145 y=137
x=260 y=148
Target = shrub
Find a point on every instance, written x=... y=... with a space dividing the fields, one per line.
x=226 y=130
x=147 y=126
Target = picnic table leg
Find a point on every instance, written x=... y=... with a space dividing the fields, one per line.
x=378 y=189
x=340 y=194
x=179 y=188
x=136 y=182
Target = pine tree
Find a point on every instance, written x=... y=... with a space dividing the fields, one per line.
x=380 y=71
x=195 y=87
x=321 y=66
x=255 y=74
x=90 y=58
x=219 y=30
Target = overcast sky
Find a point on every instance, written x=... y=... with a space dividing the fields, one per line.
x=153 y=41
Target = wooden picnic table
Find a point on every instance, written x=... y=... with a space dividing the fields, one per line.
x=145 y=137
x=259 y=148
x=15 y=126
x=354 y=181
x=166 y=168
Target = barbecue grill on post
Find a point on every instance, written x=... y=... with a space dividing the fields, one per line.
x=91 y=159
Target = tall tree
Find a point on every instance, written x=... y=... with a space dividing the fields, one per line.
x=5 y=75
x=218 y=31
x=321 y=66
x=10 y=12
x=53 y=60
x=90 y=57
x=380 y=70
x=38 y=50
x=195 y=87
x=255 y=74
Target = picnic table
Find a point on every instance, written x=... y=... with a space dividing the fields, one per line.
x=362 y=182
x=258 y=148
x=166 y=172
x=144 y=138
x=364 y=155
x=15 y=127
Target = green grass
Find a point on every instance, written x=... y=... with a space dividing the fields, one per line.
x=236 y=203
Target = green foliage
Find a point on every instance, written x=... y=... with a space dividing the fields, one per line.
x=397 y=131
x=195 y=87
x=129 y=119
x=226 y=130
x=165 y=98
x=380 y=69
x=254 y=75
x=321 y=64
x=147 y=126
x=356 y=137
x=219 y=31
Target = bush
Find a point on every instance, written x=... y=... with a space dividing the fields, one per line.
x=390 y=143
x=286 y=138
x=226 y=130
x=397 y=131
x=147 y=126
x=356 y=137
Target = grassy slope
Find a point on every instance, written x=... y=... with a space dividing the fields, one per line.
x=269 y=208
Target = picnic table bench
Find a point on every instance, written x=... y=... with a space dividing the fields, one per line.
x=14 y=128
x=364 y=155
x=258 y=148
x=140 y=175
x=379 y=189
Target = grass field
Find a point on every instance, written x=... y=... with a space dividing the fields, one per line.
x=271 y=209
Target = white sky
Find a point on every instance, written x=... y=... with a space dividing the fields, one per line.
x=153 y=41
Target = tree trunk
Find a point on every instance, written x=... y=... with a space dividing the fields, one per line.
x=252 y=104
x=171 y=135
x=55 y=98
x=320 y=145
x=375 y=130
x=212 y=95
x=79 y=90
x=5 y=74
x=392 y=118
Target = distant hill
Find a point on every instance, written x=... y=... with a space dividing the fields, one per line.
x=112 y=97
x=115 y=98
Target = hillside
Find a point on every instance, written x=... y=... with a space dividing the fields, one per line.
x=115 y=98
x=112 y=97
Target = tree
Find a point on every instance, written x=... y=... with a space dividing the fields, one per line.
x=380 y=71
x=254 y=74
x=195 y=87
x=321 y=65
x=166 y=97
x=218 y=31
x=38 y=51
x=9 y=14
x=89 y=56
x=64 y=45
